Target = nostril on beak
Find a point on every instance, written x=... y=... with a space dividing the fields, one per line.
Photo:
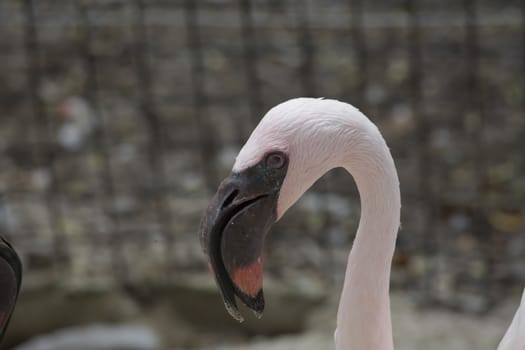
x=230 y=198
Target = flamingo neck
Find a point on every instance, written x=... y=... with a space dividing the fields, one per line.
x=320 y=135
x=363 y=318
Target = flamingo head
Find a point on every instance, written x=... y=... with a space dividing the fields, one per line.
x=293 y=145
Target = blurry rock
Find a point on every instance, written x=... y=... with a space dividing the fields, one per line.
x=376 y=94
x=215 y=60
x=307 y=341
x=502 y=172
x=419 y=265
x=472 y=122
x=196 y=300
x=48 y=309
x=507 y=221
x=459 y=221
x=124 y=153
x=191 y=182
x=400 y=123
x=467 y=243
x=440 y=138
x=124 y=205
x=41 y=179
x=333 y=204
x=95 y=337
x=78 y=122
x=7 y=219
x=27 y=155
x=398 y=70
x=472 y=303
x=226 y=158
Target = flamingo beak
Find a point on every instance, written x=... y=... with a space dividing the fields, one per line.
x=10 y=279
x=233 y=230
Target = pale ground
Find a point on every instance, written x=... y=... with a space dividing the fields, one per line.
x=414 y=328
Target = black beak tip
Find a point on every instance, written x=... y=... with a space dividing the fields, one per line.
x=256 y=304
x=234 y=312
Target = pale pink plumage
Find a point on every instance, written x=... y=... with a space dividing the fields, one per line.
x=319 y=135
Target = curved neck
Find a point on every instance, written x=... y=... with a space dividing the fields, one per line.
x=363 y=318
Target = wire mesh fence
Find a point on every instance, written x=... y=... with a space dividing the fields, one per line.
x=119 y=118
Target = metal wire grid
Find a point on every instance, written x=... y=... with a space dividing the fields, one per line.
x=450 y=237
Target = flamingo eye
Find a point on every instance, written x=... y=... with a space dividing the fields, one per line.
x=275 y=160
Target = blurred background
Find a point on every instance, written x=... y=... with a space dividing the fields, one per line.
x=118 y=119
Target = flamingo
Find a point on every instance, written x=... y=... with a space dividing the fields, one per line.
x=10 y=279
x=294 y=144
